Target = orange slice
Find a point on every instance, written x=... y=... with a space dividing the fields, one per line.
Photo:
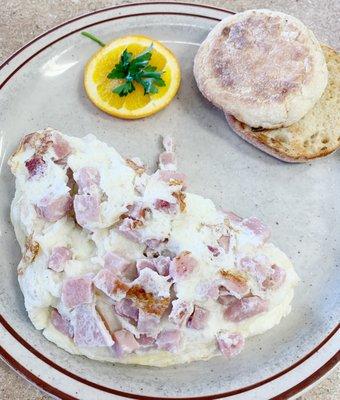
x=135 y=105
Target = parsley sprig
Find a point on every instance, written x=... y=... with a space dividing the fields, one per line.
x=132 y=70
x=136 y=70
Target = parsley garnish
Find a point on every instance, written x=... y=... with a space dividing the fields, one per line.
x=132 y=70
x=136 y=70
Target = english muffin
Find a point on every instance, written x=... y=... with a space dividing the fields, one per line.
x=316 y=135
x=263 y=67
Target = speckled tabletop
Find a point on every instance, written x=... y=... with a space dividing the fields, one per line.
x=22 y=20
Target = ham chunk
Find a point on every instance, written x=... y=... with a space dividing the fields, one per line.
x=275 y=279
x=153 y=283
x=256 y=228
x=117 y=264
x=89 y=329
x=198 y=319
x=110 y=284
x=129 y=229
x=182 y=266
x=148 y=324
x=180 y=312
x=167 y=160
x=77 y=291
x=214 y=250
x=230 y=343
x=87 y=179
x=166 y=206
x=146 y=341
x=125 y=308
x=247 y=307
x=224 y=242
x=173 y=178
x=160 y=264
x=61 y=147
x=169 y=340
x=36 y=166
x=145 y=263
x=234 y=283
x=266 y=275
x=61 y=324
x=150 y=292
x=125 y=342
x=207 y=289
x=52 y=209
x=58 y=257
x=86 y=208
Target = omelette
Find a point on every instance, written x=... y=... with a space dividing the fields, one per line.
x=124 y=266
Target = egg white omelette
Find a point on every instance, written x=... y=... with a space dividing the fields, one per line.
x=124 y=266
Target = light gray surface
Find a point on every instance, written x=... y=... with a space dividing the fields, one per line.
x=24 y=20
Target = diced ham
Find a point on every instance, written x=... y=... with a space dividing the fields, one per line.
x=225 y=299
x=230 y=343
x=148 y=324
x=247 y=307
x=128 y=228
x=58 y=257
x=87 y=178
x=145 y=263
x=116 y=263
x=86 y=207
x=61 y=147
x=162 y=264
x=125 y=308
x=36 y=166
x=167 y=161
x=182 y=266
x=275 y=279
x=153 y=283
x=214 y=250
x=257 y=267
x=153 y=244
x=89 y=329
x=110 y=284
x=125 y=342
x=181 y=311
x=173 y=178
x=61 y=324
x=198 y=318
x=76 y=291
x=257 y=228
x=224 y=242
x=136 y=211
x=169 y=340
x=52 y=209
x=166 y=206
x=234 y=283
x=146 y=341
x=208 y=290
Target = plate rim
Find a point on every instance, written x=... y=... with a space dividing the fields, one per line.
x=289 y=392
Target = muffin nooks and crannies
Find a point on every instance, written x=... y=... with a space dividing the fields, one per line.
x=316 y=135
x=263 y=67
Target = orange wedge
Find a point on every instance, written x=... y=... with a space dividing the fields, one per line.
x=135 y=105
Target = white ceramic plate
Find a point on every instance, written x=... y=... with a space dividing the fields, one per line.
x=41 y=85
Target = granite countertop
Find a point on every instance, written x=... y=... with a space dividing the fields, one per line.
x=22 y=20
